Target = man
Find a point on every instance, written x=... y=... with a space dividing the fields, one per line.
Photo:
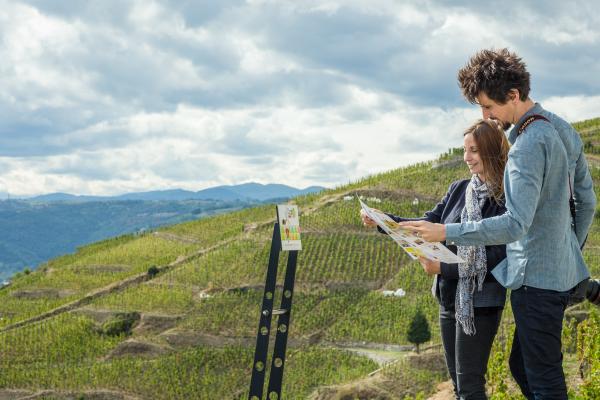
x=544 y=262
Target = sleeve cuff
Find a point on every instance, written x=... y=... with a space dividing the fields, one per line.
x=452 y=234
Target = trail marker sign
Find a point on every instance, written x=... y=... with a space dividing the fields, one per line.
x=289 y=227
x=286 y=237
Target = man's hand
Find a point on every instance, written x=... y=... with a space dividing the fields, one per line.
x=430 y=267
x=368 y=222
x=426 y=230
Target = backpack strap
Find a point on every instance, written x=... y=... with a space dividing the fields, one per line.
x=521 y=129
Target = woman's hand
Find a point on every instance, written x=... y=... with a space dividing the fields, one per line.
x=368 y=222
x=426 y=230
x=430 y=267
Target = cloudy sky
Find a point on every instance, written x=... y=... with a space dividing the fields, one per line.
x=113 y=96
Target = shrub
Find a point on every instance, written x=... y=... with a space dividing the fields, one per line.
x=153 y=271
x=418 y=331
x=120 y=324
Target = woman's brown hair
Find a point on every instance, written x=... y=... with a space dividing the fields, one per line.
x=493 y=147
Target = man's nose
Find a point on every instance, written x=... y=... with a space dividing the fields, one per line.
x=486 y=114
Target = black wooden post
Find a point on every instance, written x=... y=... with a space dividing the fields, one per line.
x=264 y=326
x=283 y=327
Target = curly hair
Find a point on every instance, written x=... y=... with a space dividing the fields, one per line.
x=495 y=73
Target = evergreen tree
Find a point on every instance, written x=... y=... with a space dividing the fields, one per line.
x=418 y=331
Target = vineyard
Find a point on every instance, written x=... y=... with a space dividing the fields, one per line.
x=172 y=314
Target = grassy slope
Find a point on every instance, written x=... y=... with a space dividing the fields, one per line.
x=218 y=294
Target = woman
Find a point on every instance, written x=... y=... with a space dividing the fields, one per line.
x=471 y=300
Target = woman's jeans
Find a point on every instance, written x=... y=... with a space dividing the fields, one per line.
x=536 y=357
x=467 y=356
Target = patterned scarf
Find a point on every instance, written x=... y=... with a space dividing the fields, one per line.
x=475 y=267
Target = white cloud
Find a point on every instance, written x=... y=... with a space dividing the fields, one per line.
x=194 y=148
x=109 y=97
x=574 y=108
x=35 y=55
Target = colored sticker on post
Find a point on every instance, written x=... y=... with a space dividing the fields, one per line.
x=289 y=227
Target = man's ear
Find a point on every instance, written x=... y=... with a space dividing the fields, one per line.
x=514 y=95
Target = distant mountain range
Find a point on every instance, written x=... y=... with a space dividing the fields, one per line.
x=244 y=192
x=39 y=228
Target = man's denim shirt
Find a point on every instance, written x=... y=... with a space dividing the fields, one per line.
x=543 y=250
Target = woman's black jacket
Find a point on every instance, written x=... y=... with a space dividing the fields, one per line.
x=448 y=211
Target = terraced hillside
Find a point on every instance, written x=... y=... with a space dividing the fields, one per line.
x=173 y=314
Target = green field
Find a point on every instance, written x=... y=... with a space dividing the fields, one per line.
x=195 y=317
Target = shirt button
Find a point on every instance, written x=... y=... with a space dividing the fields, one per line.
x=522 y=273
x=452 y=243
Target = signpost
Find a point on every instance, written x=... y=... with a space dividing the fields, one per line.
x=286 y=237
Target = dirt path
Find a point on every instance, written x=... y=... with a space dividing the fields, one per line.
x=112 y=288
x=445 y=391
x=381 y=357
x=8 y=394
x=175 y=238
x=143 y=277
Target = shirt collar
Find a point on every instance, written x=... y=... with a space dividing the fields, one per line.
x=514 y=132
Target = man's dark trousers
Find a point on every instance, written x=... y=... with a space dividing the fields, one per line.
x=536 y=355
